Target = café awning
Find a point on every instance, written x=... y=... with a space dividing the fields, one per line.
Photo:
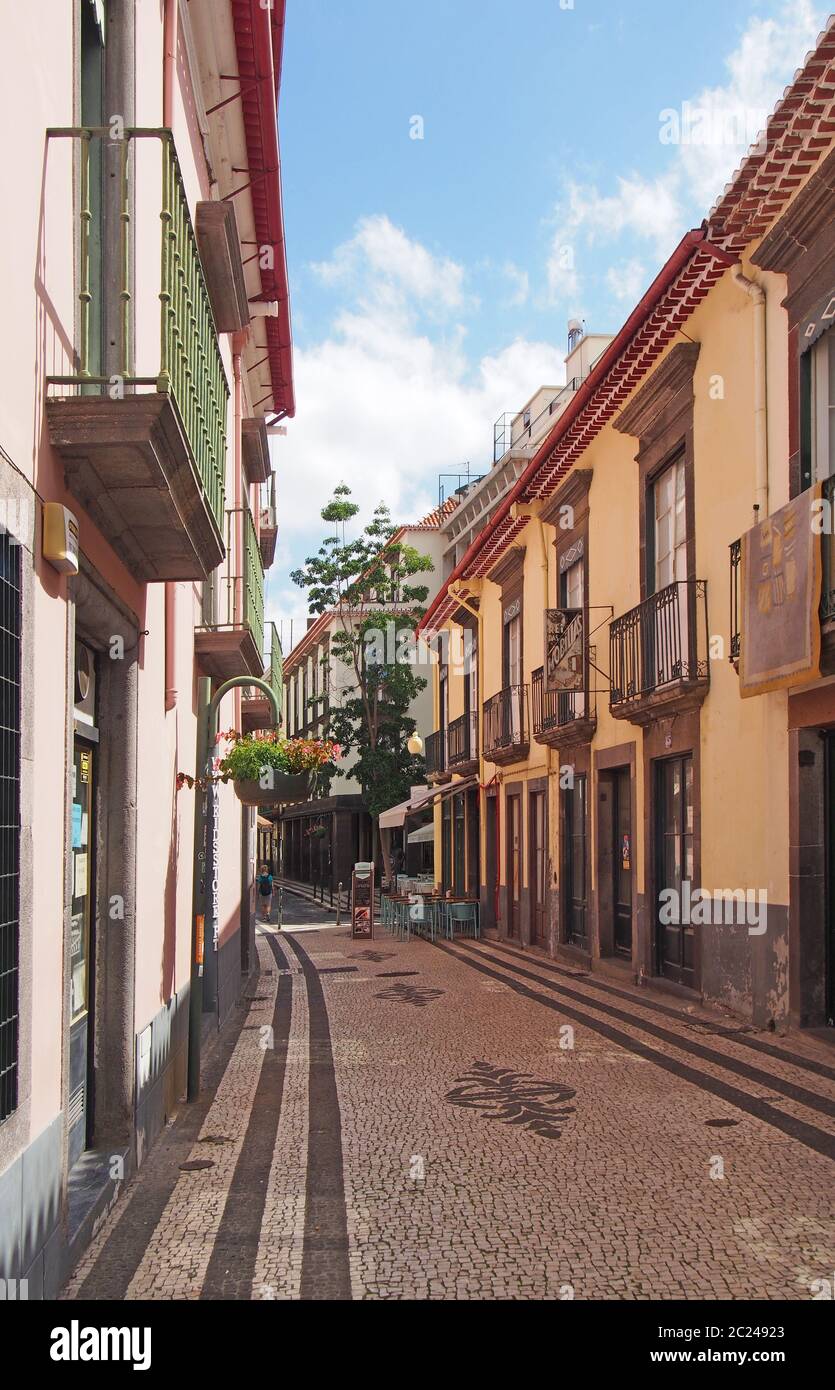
x=422 y=798
x=422 y=836
x=395 y=816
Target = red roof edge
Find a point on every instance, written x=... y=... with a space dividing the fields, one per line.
x=259 y=39
x=690 y=243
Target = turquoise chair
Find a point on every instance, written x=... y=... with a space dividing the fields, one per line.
x=403 y=924
x=462 y=917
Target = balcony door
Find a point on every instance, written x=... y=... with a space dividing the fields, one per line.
x=514 y=864
x=675 y=954
x=817 y=379
x=471 y=693
x=512 y=673
x=572 y=704
x=443 y=711
x=821 y=405
x=668 y=656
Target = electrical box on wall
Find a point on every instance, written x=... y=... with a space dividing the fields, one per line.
x=60 y=538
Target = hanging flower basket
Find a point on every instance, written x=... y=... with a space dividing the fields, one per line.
x=267 y=769
x=282 y=788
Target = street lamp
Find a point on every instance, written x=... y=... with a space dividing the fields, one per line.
x=415 y=744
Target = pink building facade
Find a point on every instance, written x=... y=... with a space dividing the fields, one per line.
x=145 y=356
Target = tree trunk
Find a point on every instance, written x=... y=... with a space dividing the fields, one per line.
x=385 y=851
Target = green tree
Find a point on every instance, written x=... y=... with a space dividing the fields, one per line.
x=366 y=581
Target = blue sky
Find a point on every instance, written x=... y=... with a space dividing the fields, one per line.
x=431 y=279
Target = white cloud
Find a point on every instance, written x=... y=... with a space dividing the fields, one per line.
x=707 y=135
x=764 y=61
x=385 y=405
x=563 y=280
x=381 y=259
x=646 y=207
x=627 y=280
x=386 y=409
x=520 y=282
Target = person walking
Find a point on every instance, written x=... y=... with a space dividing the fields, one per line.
x=265 y=891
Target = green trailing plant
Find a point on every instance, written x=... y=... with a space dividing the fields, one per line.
x=251 y=755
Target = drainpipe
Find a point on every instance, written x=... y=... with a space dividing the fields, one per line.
x=237 y=377
x=756 y=293
x=238 y=340
x=170 y=645
x=169 y=60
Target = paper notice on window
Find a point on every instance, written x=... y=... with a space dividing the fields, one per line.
x=80 y=875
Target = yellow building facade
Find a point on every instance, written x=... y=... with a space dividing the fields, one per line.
x=632 y=685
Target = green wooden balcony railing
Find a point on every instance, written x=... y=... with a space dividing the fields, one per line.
x=244 y=578
x=234 y=595
x=253 y=582
x=274 y=673
x=190 y=365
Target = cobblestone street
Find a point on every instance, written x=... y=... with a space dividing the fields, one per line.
x=397 y=1120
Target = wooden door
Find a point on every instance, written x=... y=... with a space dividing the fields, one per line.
x=538 y=868
x=513 y=876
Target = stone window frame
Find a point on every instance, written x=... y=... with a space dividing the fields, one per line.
x=801 y=246
x=509 y=575
x=660 y=417
x=574 y=493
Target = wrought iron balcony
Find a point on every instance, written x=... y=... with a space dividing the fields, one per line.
x=562 y=717
x=231 y=639
x=462 y=742
x=505 y=725
x=435 y=755
x=658 y=652
x=145 y=454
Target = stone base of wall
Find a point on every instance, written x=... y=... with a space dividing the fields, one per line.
x=161 y=1070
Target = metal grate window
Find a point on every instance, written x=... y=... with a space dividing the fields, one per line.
x=10 y=622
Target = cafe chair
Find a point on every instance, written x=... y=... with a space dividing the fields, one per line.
x=462 y=917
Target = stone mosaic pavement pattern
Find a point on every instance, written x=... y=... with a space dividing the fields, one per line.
x=468 y=1121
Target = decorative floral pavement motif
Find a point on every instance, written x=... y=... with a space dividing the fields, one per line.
x=416 y=995
x=515 y=1097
